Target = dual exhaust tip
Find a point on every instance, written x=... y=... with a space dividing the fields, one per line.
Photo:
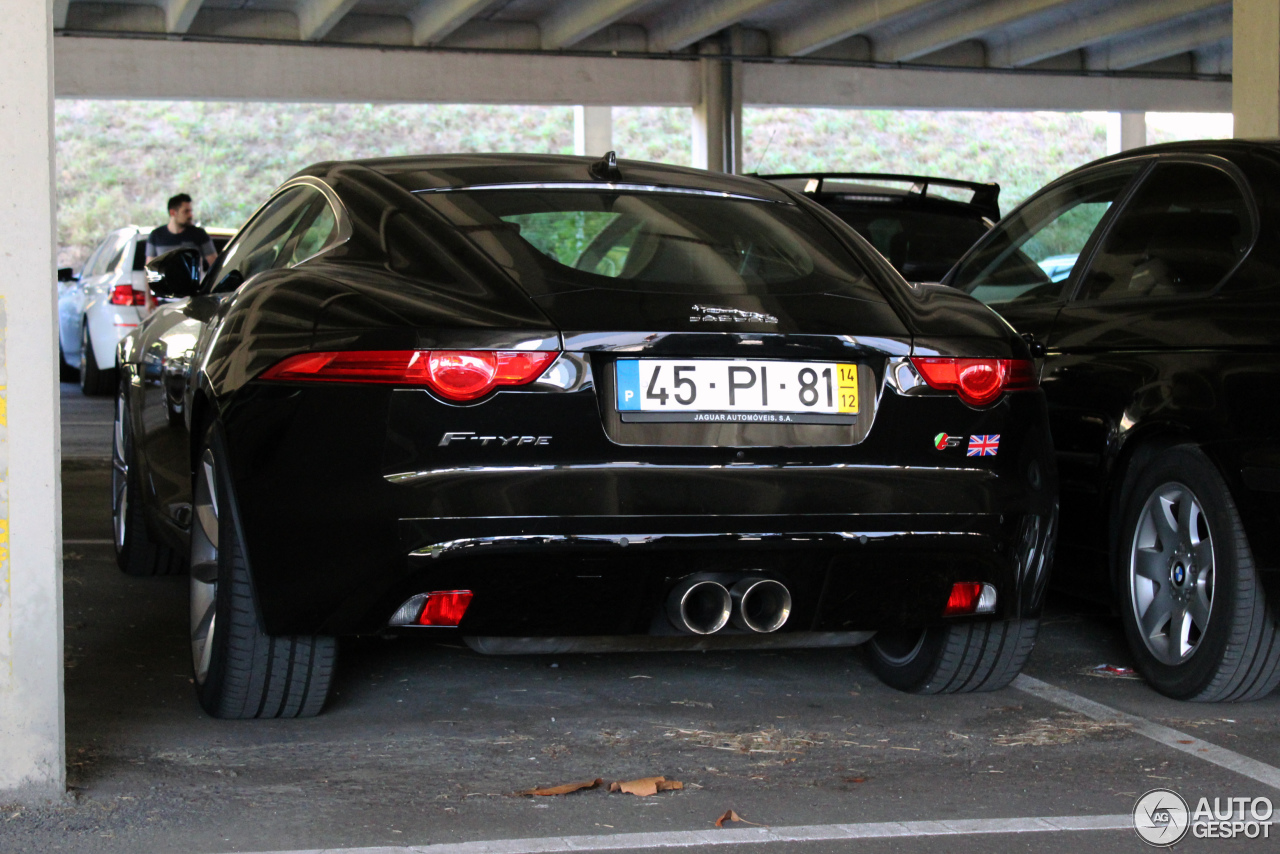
x=704 y=607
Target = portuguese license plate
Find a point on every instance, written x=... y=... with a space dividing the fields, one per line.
x=737 y=391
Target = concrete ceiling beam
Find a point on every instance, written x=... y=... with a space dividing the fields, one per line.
x=969 y=23
x=434 y=20
x=839 y=21
x=683 y=25
x=317 y=17
x=571 y=21
x=1182 y=38
x=1100 y=25
x=178 y=14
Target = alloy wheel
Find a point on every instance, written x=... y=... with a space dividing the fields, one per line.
x=204 y=567
x=1171 y=573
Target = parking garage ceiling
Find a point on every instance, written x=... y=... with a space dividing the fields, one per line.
x=1189 y=38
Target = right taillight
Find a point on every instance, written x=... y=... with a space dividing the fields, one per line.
x=977 y=381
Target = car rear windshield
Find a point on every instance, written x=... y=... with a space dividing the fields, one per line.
x=660 y=242
x=921 y=245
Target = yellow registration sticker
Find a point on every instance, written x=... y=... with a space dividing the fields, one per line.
x=847 y=388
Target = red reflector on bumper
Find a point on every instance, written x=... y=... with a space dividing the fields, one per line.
x=970 y=597
x=445 y=608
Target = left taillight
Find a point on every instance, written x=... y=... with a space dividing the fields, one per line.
x=453 y=374
x=126 y=295
x=976 y=381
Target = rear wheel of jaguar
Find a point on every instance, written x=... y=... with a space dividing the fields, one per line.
x=1194 y=612
x=136 y=552
x=240 y=671
x=953 y=658
x=94 y=380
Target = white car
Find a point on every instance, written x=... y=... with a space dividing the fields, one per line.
x=99 y=306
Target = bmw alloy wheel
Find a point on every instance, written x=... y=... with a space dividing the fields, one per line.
x=204 y=567
x=1171 y=569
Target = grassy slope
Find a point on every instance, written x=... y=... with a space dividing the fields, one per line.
x=119 y=160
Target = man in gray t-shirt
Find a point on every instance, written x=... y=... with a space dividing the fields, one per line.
x=180 y=232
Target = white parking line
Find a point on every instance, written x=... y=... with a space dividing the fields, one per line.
x=751 y=836
x=1229 y=759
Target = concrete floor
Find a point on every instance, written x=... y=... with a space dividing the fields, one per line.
x=425 y=742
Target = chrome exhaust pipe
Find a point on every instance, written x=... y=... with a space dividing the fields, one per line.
x=760 y=605
x=700 y=606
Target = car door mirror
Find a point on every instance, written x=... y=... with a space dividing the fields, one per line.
x=66 y=274
x=175 y=274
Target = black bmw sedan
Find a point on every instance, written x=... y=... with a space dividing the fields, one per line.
x=551 y=404
x=1151 y=280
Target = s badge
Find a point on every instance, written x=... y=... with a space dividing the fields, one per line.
x=942 y=441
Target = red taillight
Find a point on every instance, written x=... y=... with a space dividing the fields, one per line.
x=452 y=374
x=445 y=608
x=126 y=295
x=970 y=597
x=977 y=381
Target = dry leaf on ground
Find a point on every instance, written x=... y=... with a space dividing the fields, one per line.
x=564 y=789
x=645 y=786
x=730 y=815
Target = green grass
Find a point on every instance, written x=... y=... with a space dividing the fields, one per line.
x=118 y=161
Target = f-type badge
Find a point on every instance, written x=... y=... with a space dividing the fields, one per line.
x=711 y=314
x=450 y=438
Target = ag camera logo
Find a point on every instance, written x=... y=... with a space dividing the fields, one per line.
x=1161 y=818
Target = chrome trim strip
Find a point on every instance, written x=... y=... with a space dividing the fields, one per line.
x=340 y=215
x=606 y=187
x=626 y=540
x=414 y=476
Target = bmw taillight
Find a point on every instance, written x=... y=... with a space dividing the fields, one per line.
x=126 y=295
x=452 y=374
x=977 y=381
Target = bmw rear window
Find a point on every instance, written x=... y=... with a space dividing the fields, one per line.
x=660 y=242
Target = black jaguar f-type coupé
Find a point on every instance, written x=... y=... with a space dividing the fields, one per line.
x=550 y=404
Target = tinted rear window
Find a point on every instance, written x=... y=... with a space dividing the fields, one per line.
x=555 y=240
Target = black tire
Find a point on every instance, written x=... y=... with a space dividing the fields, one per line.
x=241 y=672
x=136 y=553
x=1194 y=612
x=66 y=373
x=94 y=380
x=953 y=658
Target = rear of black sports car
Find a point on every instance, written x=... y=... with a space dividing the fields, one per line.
x=544 y=406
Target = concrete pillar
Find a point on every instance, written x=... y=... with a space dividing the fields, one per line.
x=1126 y=131
x=32 y=745
x=717 y=118
x=592 y=130
x=1255 y=68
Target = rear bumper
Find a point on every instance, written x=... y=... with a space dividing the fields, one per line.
x=588 y=543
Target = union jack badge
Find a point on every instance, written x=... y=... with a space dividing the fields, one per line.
x=984 y=446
